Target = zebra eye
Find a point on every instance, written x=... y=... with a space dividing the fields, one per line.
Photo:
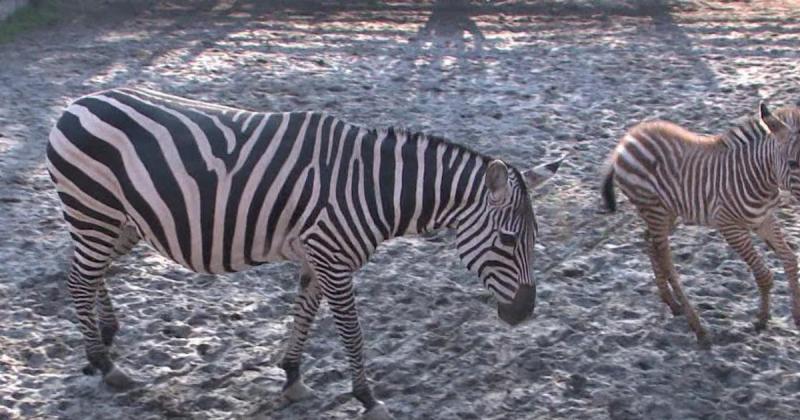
x=508 y=238
x=793 y=164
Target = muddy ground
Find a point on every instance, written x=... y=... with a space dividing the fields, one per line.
x=523 y=81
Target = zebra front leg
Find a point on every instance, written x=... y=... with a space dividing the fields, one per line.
x=770 y=232
x=304 y=310
x=738 y=237
x=337 y=288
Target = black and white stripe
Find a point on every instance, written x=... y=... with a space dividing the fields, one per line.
x=218 y=190
x=730 y=182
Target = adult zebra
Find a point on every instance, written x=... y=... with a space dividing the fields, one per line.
x=219 y=189
x=730 y=182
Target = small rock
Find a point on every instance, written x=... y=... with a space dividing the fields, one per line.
x=36 y=359
x=56 y=351
x=206 y=402
x=572 y=272
x=576 y=384
x=203 y=348
x=199 y=318
x=158 y=357
x=177 y=331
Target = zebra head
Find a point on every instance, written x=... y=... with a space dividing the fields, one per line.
x=784 y=127
x=497 y=240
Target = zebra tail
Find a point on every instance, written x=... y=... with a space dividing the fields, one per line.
x=609 y=198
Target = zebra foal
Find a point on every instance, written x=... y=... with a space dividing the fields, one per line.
x=219 y=190
x=730 y=182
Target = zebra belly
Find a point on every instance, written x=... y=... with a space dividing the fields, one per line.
x=694 y=221
x=282 y=249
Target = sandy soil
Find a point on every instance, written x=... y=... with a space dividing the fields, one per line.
x=524 y=82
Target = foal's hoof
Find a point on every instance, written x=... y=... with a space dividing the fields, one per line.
x=377 y=412
x=298 y=391
x=676 y=310
x=704 y=342
x=760 y=325
x=118 y=380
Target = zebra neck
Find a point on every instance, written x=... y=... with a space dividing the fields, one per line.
x=753 y=167
x=748 y=134
x=427 y=183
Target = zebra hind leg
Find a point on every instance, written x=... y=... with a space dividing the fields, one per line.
x=106 y=316
x=659 y=223
x=661 y=275
x=305 y=308
x=90 y=261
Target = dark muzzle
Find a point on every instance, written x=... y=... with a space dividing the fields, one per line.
x=521 y=307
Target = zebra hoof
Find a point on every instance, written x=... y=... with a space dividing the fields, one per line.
x=89 y=370
x=107 y=333
x=377 y=412
x=119 y=380
x=760 y=325
x=297 y=391
x=704 y=342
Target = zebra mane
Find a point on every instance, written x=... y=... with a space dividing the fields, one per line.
x=433 y=140
x=751 y=131
x=790 y=115
x=745 y=132
x=438 y=141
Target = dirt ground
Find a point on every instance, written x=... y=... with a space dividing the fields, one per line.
x=523 y=81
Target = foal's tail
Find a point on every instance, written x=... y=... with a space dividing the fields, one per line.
x=609 y=198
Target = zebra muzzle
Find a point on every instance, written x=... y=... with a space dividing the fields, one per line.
x=521 y=307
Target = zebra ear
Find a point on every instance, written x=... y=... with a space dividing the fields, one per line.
x=537 y=176
x=497 y=179
x=770 y=122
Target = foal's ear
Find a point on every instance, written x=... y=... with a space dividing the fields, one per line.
x=497 y=179
x=771 y=122
x=537 y=176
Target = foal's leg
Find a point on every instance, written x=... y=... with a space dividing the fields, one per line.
x=738 y=237
x=305 y=308
x=652 y=237
x=659 y=222
x=770 y=232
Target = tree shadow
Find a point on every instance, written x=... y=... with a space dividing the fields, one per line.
x=449 y=22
